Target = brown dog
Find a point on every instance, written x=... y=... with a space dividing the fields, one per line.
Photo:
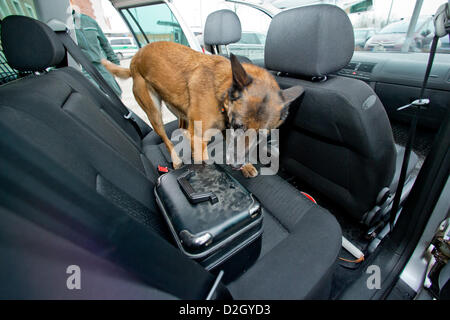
x=198 y=87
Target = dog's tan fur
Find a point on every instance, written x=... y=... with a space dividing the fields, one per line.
x=196 y=86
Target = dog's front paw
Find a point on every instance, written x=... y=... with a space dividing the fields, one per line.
x=177 y=162
x=249 y=171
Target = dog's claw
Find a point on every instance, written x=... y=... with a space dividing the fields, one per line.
x=177 y=163
x=249 y=171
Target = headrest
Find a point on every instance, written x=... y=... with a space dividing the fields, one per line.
x=222 y=27
x=310 y=41
x=30 y=45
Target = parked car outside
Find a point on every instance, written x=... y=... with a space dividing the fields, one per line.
x=362 y=35
x=124 y=47
x=392 y=37
x=251 y=45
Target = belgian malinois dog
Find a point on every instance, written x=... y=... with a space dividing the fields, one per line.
x=220 y=93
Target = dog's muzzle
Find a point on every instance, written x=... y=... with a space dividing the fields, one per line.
x=236 y=156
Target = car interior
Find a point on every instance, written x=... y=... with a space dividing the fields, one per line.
x=78 y=177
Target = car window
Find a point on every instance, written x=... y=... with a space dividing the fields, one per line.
x=389 y=22
x=155 y=22
x=380 y=25
x=249 y=38
x=401 y=27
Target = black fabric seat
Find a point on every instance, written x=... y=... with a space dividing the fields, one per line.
x=339 y=139
x=292 y=223
x=71 y=121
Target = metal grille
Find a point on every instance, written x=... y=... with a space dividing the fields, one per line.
x=6 y=72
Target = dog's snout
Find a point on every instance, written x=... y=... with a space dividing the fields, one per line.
x=237 y=125
x=232 y=123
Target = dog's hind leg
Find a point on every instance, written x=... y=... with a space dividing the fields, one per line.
x=182 y=123
x=151 y=104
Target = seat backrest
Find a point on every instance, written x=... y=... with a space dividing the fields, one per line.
x=223 y=27
x=29 y=45
x=339 y=140
x=73 y=170
x=65 y=116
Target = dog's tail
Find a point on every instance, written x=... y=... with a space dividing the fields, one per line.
x=123 y=73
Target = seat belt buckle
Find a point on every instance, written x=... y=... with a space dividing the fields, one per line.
x=128 y=116
x=162 y=169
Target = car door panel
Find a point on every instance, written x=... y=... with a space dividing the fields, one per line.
x=394 y=96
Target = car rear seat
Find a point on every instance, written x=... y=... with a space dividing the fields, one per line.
x=62 y=114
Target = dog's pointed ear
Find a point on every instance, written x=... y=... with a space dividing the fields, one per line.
x=289 y=95
x=292 y=93
x=240 y=78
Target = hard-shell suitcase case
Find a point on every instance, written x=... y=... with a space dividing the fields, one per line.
x=211 y=215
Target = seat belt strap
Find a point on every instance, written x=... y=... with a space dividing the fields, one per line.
x=140 y=126
x=429 y=65
x=418 y=105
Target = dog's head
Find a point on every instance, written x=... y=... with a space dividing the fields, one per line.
x=255 y=100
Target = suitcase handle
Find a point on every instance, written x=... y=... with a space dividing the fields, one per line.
x=190 y=192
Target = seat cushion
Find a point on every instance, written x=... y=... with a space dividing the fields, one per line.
x=300 y=245
x=300 y=242
x=156 y=151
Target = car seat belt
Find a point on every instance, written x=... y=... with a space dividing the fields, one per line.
x=139 y=125
x=442 y=28
x=37 y=188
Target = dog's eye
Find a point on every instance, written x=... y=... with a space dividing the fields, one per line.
x=235 y=95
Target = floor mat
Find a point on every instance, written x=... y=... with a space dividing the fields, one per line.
x=422 y=142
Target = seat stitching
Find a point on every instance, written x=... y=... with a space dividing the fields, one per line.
x=278 y=221
x=67 y=98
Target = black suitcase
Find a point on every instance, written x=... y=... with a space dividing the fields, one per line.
x=211 y=216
